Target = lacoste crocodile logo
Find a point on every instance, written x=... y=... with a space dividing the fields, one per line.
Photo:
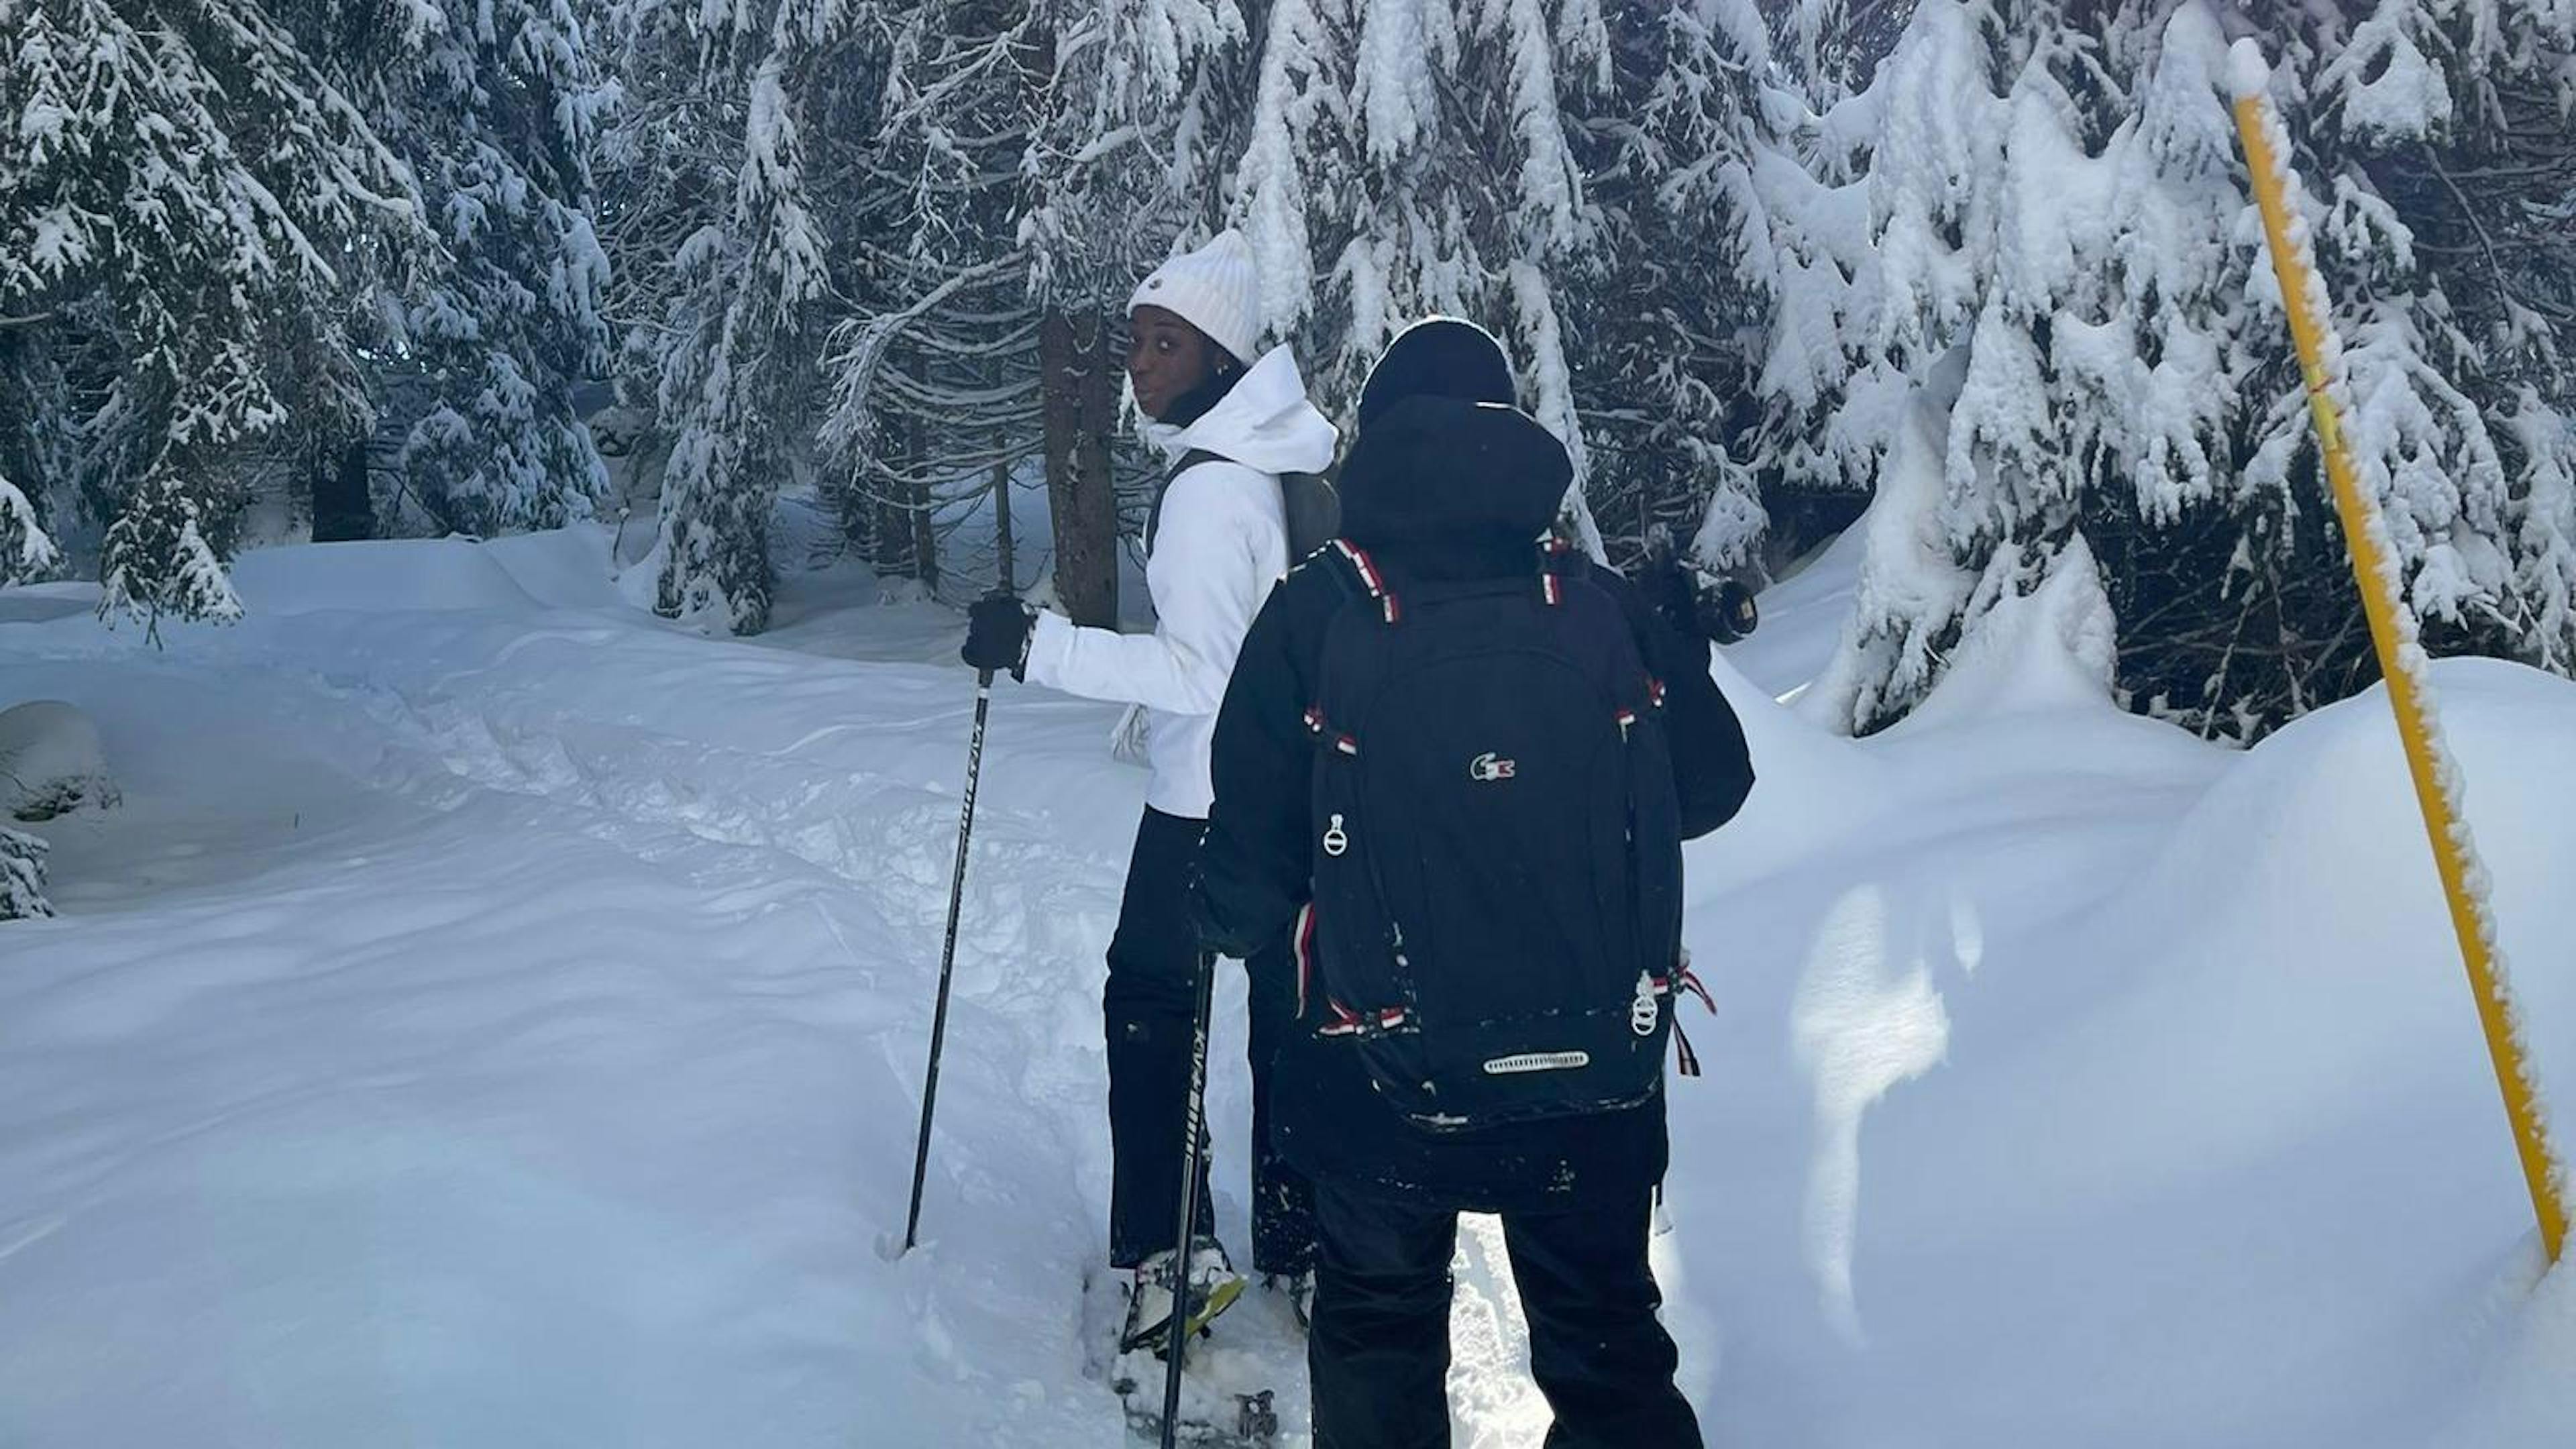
x=1486 y=767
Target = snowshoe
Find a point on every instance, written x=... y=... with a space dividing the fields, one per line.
x=1251 y=1421
x=1212 y=1288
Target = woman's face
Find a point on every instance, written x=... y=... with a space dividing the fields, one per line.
x=1166 y=359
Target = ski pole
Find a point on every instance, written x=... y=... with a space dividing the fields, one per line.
x=1193 y=1159
x=948 y=953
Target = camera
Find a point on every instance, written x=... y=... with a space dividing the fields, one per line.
x=1723 y=607
x=1695 y=599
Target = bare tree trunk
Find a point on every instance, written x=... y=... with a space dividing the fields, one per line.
x=921 y=526
x=1010 y=575
x=925 y=533
x=1100 y=375
x=1082 y=494
x=343 y=509
x=858 y=518
x=892 y=537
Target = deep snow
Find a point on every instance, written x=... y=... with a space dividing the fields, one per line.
x=495 y=1018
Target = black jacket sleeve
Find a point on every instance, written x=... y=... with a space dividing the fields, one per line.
x=1712 y=765
x=1252 y=872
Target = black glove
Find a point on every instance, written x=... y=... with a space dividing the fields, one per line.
x=1667 y=589
x=1727 y=613
x=1695 y=607
x=998 y=630
x=1210 y=933
x=1213 y=935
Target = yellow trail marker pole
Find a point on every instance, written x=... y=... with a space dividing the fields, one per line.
x=2393 y=631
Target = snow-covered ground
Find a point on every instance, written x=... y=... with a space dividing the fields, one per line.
x=494 y=1018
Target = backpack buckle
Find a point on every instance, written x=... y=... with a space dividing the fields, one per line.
x=1347 y=1022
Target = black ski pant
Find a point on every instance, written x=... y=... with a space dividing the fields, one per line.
x=1149 y=1007
x=1378 y=1353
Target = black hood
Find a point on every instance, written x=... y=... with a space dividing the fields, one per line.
x=1453 y=484
x=1440 y=357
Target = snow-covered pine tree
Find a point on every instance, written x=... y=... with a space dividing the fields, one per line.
x=665 y=164
x=1917 y=307
x=1662 y=322
x=25 y=550
x=712 y=143
x=933 y=366
x=1409 y=157
x=497 y=113
x=2064 y=349
x=1804 y=238
x=182 y=194
x=2457 y=117
x=157 y=562
x=22 y=876
x=1138 y=104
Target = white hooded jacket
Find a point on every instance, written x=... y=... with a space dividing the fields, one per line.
x=1222 y=543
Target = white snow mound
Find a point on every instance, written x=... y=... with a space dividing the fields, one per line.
x=51 y=762
x=2053 y=648
x=404 y=574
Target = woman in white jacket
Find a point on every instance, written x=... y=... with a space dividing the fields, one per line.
x=1219 y=544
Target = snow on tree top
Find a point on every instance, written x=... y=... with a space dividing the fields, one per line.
x=2248 y=74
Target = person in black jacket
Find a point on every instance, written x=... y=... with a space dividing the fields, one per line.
x=1441 y=485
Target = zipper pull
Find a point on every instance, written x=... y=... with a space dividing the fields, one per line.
x=1643 y=1012
x=1336 y=839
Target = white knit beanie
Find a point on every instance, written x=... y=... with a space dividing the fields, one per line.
x=1216 y=289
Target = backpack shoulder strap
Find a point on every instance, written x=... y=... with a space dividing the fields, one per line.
x=1171 y=475
x=1557 y=562
x=1192 y=459
x=1566 y=576
x=1312 y=511
x=1358 y=573
x=1353 y=632
x=1309 y=509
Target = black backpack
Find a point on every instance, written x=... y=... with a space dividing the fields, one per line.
x=1496 y=923
x=1313 y=511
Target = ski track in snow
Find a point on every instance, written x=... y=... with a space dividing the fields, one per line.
x=637 y=778
x=801 y=829
x=737 y=833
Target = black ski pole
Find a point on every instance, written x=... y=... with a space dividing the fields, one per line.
x=1193 y=1157
x=948 y=952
